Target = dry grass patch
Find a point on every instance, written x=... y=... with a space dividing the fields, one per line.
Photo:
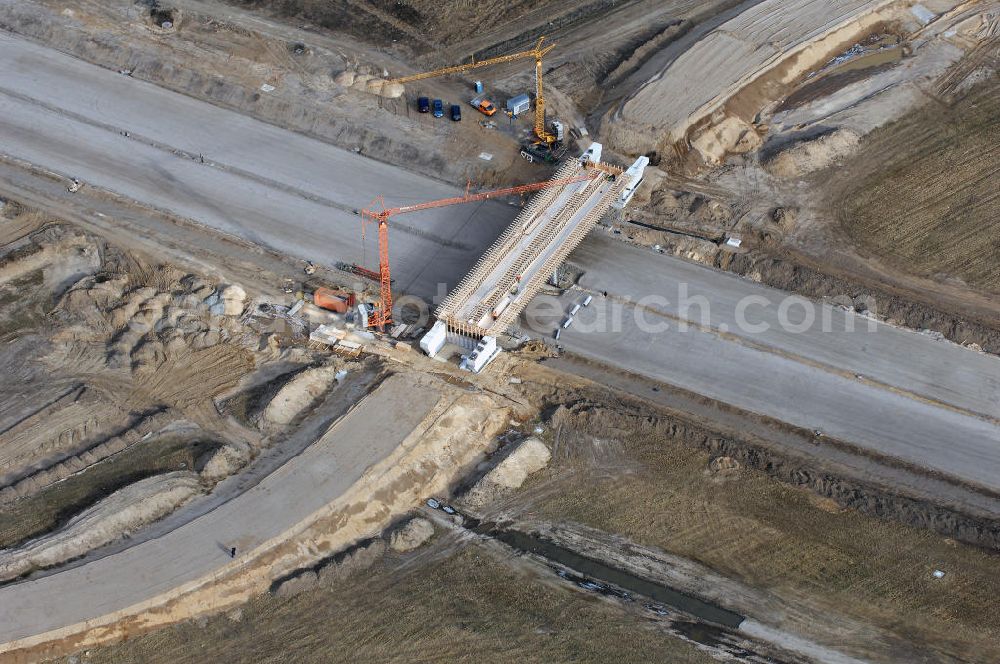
x=922 y=192
x=627 y=473
x=467 y=605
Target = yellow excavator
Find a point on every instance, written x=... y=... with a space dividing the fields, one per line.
x=547 y=142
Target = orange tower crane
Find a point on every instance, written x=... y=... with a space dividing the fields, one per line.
x=382 y=316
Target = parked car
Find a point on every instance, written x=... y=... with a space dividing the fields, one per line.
x=456 y=113
x=438 y=108
x=424 y=105
x=486 y=107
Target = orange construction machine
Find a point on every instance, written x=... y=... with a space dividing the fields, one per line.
x=333 y=300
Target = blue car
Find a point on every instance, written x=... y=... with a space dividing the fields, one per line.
x=424 y=105
x=438 y=108
x=456 y=113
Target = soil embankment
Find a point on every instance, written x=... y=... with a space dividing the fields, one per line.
x=694 y=90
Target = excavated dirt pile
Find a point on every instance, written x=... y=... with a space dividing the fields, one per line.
x=813 y=155
x=108 y=356
x=529 y=457
x=299 y=394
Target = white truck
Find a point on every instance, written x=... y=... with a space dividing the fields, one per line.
x=634 y=174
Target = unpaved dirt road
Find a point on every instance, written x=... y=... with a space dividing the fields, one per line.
x=285 y=498
x=274 y=187
x=924 y=402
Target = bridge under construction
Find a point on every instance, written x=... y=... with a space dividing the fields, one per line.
x=488 y=301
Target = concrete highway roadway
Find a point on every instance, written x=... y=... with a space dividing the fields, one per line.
x=837 y=340
x=897 y=393
x=273 y=187
x=281 y=501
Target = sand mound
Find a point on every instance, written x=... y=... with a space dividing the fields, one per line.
x=361 y=81
x=225 y=461
x=148 y=327
x=794 y=35
x=117 y=515
x=724 y=465
x=809 y=156
x=345 y=78
x=731 y=136
x=368 y=83
x=233 y=300
x=392 y=90
x=299 y=394
x=197 y=286
x=412 y=535
x=531 y=456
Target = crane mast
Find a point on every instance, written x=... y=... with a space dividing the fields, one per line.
x=540 y=131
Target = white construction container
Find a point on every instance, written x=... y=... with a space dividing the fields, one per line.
x=519 y=104
x=485 y=352
x=576 y=308
x=592 y=154
x=587 y=300
x=567 y=322
x=433 y=341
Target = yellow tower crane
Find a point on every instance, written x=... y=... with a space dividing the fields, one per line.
x=540 y=131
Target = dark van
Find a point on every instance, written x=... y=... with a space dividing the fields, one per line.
x=424 y=104
x=438 y=108
x=456 y=112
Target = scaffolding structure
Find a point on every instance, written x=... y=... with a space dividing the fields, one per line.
x=379 y=214
x=493 y=294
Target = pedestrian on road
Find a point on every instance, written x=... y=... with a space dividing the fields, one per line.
x=232 y=552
